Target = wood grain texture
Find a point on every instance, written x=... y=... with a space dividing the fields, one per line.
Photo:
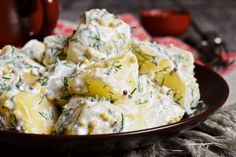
x=210 y=15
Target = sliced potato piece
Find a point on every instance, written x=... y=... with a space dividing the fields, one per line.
x=34 y=49
x=150 y=59
x=183 y=88
x=89 y=115
x=154 y=105
x=99 y=35
x=171 y=67
x=34 y=112
x=108 y=78
x=183 y=59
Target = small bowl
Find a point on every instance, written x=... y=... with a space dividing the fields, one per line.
x=165 y=22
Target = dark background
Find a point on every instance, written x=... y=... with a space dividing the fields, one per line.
x=210 y=15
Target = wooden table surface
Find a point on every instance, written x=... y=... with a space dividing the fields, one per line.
x=210 y=15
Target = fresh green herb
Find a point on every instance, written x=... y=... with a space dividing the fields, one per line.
x=55 y=51
x=141 y=62
x=139 y=102
x=156 y=46
x=103 y=14
x=111 y=97
x=44 y=115
x=154 y=60
x=20 y=84
x=41 y=99
x=96 y=99
x=13 y=123
x=193 y=102
x=108 y=52
x=4 y=87
x=144 y=56
x=97 y=38
x=10 y=62
x=114 y=68
x=122 y=122
x=132 y=93
x=74 y=73
x=15 y=52
x=140 y=87
x=162 y=82
x=110 y=111
x=172 y=92
x=65 y=83
x=27 y=65
x=64 y=111
x=164 y=69
x=178 y=100
x=192 y=90
x=43 y=80
x=120 y=127
x=177 y=59
x=5 y=78
x=76 y=40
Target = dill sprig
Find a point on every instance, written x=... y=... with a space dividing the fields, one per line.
x=44 y=115
x=119 y=127
x=140 y=101
x=41 y=99
x=43 y=80
x=114 y=68
x=178 y=100
x=154 y=60
x=98 y=41
x=130 y=96
x=164 y=69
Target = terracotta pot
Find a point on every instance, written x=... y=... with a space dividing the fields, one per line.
x=22 y=20
x=165 y=22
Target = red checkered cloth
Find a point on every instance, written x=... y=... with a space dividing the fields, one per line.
x=67 y=28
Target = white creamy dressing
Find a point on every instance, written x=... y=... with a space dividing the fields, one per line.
x=104 y=81
x=100 y=35
x=55 y=79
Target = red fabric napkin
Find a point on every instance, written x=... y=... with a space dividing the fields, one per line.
x=66 y=28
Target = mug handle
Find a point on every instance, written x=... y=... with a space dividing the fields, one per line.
x=50 y=10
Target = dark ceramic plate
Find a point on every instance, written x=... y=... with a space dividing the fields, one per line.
x=214 y=92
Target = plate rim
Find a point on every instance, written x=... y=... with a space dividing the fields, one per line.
x=195 y=119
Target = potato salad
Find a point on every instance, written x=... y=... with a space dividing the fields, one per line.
x=99 y=80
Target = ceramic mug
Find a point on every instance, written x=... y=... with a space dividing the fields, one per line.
x=21 y=20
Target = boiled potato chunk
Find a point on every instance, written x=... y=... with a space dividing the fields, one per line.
x=99 y=35
x=183 y=59
x=54 y=49
x=34 y=49
x=184 y=88
x=149 y=106
x=91 y=115
x=29 y=79
x=34 y=112
x=150 y=59
x=171 y=67
x=109 y=78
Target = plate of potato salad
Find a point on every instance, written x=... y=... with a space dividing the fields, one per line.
x=99 y=80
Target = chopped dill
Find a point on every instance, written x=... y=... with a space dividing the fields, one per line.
x=43 y=80
x=114 y=68
x=43 y=115
x=132 y=93
x=139 y=102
